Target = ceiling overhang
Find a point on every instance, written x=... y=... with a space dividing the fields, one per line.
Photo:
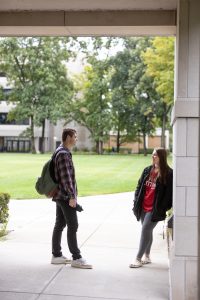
x=87 y=17
x=85 y=23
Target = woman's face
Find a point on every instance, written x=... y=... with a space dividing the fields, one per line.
x=155 y=158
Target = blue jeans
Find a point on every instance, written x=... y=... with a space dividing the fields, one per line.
x=65 y=215
x=146 y=238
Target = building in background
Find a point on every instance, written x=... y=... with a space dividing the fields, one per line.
x=10 y=131
x=137 y=147
x=12 y=139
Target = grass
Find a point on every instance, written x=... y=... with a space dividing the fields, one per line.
x=95 y=174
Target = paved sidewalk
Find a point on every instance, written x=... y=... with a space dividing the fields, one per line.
x=108 y=237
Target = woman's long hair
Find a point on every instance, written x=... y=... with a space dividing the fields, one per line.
x=163 y=165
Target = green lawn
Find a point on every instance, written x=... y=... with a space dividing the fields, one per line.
x=95 y=174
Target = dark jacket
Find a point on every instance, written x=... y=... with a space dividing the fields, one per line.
x=163 y=196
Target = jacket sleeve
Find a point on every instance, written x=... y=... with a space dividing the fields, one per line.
x=138 y=187
x=168 y=199
x=137 y=204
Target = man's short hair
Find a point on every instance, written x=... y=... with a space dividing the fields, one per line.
x=66 y=132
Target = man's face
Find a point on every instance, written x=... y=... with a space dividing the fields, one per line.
x=73 y=140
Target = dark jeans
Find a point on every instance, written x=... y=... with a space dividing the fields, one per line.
x=146 y=234
x=65 y=215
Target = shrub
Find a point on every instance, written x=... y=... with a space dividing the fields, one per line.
x=107 y=150
x=124 y=150
x=149 y=151
x=4 y=214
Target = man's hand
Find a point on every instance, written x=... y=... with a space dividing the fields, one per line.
x=72 y=202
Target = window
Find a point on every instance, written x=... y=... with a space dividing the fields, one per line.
x=15 y=144
x=6 y=91
x=4 y=120
x=3 y=117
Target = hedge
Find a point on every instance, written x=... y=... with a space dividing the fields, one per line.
x=4 y=212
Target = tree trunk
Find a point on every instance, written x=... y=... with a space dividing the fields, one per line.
x=33 y=150
x=164 y=119
x=43 y=131
x=98 y=146
x=144 y=143
x=118 y=140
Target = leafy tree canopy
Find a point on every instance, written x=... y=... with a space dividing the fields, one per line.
x=159 y=60
x=36 y=69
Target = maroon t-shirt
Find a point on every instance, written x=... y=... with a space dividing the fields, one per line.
x=149 y=195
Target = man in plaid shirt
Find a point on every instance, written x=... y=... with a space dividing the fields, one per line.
x=66 y=204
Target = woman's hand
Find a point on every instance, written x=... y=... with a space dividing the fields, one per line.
x=72 y=202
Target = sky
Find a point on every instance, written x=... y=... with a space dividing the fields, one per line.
x=76 y=66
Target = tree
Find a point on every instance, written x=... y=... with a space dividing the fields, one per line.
x=159 y=60
x=121 y=100
x=1 y=93
x=136 y=110
x=143 y=117
x=92 y=107
x=36 y=71
x=92 y=104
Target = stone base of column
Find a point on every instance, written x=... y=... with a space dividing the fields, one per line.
x=183 y=277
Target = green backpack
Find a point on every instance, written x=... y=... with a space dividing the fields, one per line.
x=46 y=184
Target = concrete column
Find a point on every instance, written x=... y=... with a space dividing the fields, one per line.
x=184 y=253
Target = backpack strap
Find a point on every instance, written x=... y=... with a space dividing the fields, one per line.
x=57 y=151
x=54 y=156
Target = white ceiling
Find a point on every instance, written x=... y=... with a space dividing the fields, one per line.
x=20 y=5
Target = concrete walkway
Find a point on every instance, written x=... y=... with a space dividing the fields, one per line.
x=108 y=237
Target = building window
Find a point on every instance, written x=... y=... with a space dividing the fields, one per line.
x=6 y=91
x=3 y=117
x=4 y=120
x=13 y=144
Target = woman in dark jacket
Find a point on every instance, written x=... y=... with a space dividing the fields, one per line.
x=153 y=197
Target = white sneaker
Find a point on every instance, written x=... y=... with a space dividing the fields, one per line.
x=60 y=260
x=146 y=260
x=80 y=263
x=137 y=264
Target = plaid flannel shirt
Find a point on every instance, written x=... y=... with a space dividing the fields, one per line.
x=65 y=175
